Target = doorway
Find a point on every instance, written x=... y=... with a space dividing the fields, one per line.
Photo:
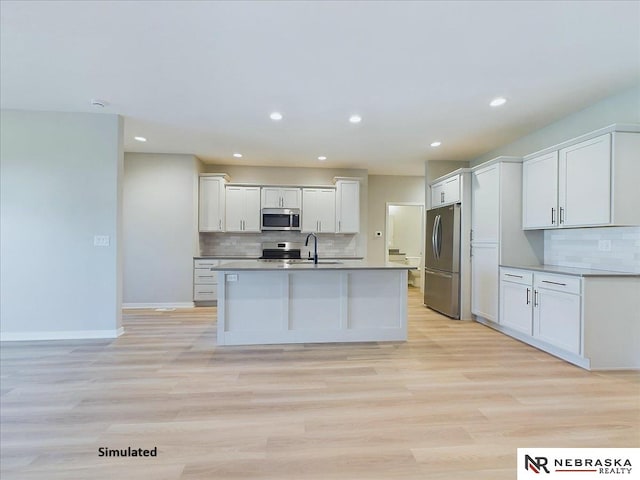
x=404 y=237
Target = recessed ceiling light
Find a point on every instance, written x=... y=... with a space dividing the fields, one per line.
x=96 y=102
x=436 y=144
x=496 y=102
x=237 y=155
x=140 y=139
x=355 y=118
x=275 y=116
x=322 y=158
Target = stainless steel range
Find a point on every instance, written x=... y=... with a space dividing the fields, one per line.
x=281 y=252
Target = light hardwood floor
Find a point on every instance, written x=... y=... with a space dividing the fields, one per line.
x=454 y=402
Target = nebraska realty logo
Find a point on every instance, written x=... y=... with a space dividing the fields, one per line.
x=578 y=463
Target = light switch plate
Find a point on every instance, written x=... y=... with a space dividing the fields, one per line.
x=232 y=277
x=101 y=240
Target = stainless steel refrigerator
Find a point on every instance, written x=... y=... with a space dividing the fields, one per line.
x=442 y=260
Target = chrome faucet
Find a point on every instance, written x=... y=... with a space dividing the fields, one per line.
x=315 y=246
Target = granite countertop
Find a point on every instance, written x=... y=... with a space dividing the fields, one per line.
x=239 y=257
x=323 y=264
x=579 y=272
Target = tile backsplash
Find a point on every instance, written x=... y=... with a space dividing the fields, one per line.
x=250 y=244
x=579 y=247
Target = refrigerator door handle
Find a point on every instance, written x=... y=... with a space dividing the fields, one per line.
x=438 y=241
x=433 y=237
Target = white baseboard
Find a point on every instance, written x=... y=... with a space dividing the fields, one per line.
x=159 y=305
x=61 y=335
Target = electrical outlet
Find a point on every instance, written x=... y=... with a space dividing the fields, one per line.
x=231 y=277
x=101 y=240
x=604 y=245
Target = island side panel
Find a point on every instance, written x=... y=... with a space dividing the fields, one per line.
x=315 y=305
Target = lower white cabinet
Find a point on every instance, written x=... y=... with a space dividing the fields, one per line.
x=484 y=280
x=590 y=321
x=205 y=281
x=544 y=306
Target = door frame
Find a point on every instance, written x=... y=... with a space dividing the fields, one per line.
x=386 y=232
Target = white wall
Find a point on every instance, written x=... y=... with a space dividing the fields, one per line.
x=160 y=229
x=384 y=189
x=59 y=187
x=406 y=229
x=623 y=107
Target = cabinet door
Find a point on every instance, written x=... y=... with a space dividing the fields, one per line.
x=310 y=209
x=251 y=209
x=211 y=204
x=347 y=206
x=290 y=197
x=556 y=319
x=234 y=209
x=271 y=197
x=585 y=183
x=485 y=204
x=540 y=192
x=484 y=281
x=452 y=190
x=516 y=306
x=437 y=194
x=327 y=210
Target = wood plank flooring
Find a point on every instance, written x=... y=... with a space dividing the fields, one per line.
x=454 y=402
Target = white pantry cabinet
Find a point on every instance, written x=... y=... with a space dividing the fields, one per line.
x=496 y=236
x=319 y=210
x=445 y=191
x=591 y=321
x=277 y=197
x=242 y=209
x=585 y=182
x=211 y=198
x=347 y=206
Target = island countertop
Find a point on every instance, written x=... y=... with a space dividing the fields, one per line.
x=578 y=272
x=257 y=265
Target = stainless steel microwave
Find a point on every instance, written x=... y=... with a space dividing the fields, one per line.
x=280 y=219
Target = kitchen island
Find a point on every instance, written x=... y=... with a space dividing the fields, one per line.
x=277 y=302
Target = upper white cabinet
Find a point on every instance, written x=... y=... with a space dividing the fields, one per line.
x=211 y=203
x=445 y=191
x=584 y=183
x=347 y=206
x=276 y=197
x=540 y=191
x=319 y=210
x=485 y=204
x=242 y=209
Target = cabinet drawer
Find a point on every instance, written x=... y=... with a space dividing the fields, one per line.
x=205 y=292
x=205 y=263
x=205 y=276
x=559 y=283
x=524 y=277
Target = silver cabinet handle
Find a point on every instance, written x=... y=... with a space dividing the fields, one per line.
x=554 y=283
x=339 y=225
x=561 y=216
x=441 y=197
x=511 y=275
x=535 y=298
x=528 y=292
x=553 y=216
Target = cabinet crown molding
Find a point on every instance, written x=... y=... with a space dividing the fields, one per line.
x=459 y=171
x=223 y=175
x=501 y=159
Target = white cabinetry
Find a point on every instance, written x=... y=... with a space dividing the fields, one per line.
x=211 y=203
x=484 y=280
x=496 y=236
x=276 y=197
x=205 y=281
x=347 y=206
x=582 y=183
x=319 y=210
x=589 y=321
x=242 y=209
x=445 y=191
x=556 y=311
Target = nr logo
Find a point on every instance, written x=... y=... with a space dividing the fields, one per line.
x=536 y=464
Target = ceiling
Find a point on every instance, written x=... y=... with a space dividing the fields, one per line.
x=202 y=77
